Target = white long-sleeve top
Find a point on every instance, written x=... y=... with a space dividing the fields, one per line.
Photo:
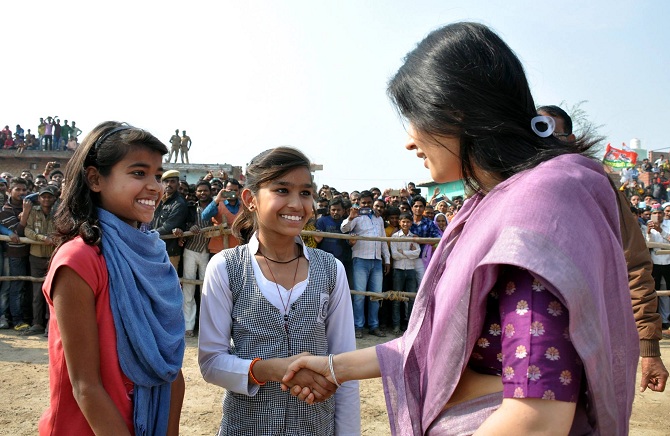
x=223 y=369
x=406 y=259
x=664 y=237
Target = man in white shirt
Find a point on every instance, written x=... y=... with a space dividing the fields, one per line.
x=367 y=261
x=658 y=230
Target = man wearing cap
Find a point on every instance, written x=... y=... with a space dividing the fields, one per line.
x=40 y=227
x=171 y=213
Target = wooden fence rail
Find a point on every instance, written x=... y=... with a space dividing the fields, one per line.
x=223 y=230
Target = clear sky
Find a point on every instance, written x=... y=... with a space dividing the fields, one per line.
x=241 y=77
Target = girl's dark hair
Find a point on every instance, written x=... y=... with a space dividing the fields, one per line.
x=391 y=211
x=106 y=145
x=463 y=80
x=266 y=167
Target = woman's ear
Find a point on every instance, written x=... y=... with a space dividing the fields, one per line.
x=93 y=178
x=248 y=198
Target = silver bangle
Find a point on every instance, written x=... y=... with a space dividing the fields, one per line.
x=332 y=371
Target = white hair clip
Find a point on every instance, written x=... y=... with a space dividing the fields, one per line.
x=541 y=119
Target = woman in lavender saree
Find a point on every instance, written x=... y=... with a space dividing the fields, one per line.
x=523 y=322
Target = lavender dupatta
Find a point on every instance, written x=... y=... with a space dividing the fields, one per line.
x=559 y=221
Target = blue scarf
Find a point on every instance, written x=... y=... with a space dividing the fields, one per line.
x=146 y=303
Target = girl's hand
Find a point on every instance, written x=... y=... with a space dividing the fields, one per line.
x=306 y=382
x=317 y=364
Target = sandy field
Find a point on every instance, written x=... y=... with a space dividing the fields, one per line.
x=24 y=393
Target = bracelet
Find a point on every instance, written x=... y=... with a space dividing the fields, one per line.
x=332 y=371
x=251 y=372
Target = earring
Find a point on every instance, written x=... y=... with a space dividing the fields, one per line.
x=251 y=207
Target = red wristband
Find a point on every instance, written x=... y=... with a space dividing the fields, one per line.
x=251 y=371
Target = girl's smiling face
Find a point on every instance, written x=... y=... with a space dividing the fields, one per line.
x=284 y=205
x=132 y=189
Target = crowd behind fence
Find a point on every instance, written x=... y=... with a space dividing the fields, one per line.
x=222 y=230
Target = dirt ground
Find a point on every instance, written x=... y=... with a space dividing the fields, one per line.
x=24 y=393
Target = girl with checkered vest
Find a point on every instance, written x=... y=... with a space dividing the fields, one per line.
x=270 y=300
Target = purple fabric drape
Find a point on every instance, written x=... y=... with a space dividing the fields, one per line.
x=560 y=222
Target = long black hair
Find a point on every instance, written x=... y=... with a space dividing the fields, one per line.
x=463 y=81
x=107 y=144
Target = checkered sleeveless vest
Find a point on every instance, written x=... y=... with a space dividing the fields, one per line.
x=258 y=331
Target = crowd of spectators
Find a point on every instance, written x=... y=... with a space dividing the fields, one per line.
x=29 y=201
x=51 y=136
x=650 y=203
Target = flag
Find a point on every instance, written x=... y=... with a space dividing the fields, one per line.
x=616 y=158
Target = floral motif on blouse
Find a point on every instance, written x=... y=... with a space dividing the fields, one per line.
x=533 y=373
x=495 y=330
x=555 y=308
x=525 y=340
x=522 y=307
x=566 y=377
x=520 y=352
x=537 y=328
x=552 y=354
x=483 y=342
x=549 y=395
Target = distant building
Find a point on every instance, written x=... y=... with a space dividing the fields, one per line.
x=449 y=189
x=35 y=161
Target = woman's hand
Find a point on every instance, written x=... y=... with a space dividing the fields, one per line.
x=315 y=364
x=309 y=386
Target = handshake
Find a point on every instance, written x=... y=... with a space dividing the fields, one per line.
x=309 y=378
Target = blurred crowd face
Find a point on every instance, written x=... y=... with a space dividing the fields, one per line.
x=417 y=209
x=393 y=221
x=379 y=207
x=203 y=193
x=441 y=222
x=336 y=212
